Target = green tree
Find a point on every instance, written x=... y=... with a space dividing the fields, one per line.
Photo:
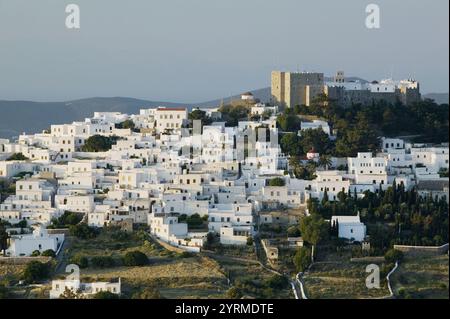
x=302 y=259
x=314 y=229
x=135 y=258
x=325 y=161
x=315 y=139
x=277 y=282
x=83 y=231
x=3 y=238
x=36 y=271
x=199 y=115
x=290 y=144
x=289 y=122
x=127 y=124
x=99 y=143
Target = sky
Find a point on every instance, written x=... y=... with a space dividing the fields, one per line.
x=198 y=50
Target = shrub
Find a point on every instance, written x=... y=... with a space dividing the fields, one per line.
x=293 y=231
x=393 y=255
x=36 y=271
x=17 y=157
x=234 y=293
x=135 y=258
x=49 y=253
x=81 y=261
x=22 y=224
x=210 y=238
x=83 y=231
x=249 y=241
x=35 y=253
x=105 y=295
x=194 y=220
x=277 y=182
x=4 y=293
x=147 y=293
x=277 y=282
x=186 y=254
x=99 y=143
x=102 y=262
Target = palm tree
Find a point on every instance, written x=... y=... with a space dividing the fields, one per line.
x=325 y=161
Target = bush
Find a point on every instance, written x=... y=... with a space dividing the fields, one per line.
x=210 y=238
x=277 y=282
x=393 y=255
x=35 y=253
x=186 y=254
x=105 y=295
x=277 y=182
x=83 y=231
x=81 y=261
x=234 y=293
x=36 y=271
x=194 y=220
x=293 y=231
x=102 y=262
x=147 y=293
x=22 y=224
x=135 y=258
x=249 y=241
x=99 y=143
x=49 y=253
x=66 y=219
x=17 y=157
x=4 y=293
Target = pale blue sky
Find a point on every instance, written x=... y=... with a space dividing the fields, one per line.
x=197 y=50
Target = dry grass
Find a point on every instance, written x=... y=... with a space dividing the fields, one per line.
x=422 y=278
x=185 y=268
x=11 y=272
x=341 y=281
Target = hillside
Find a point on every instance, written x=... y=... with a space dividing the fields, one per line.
x=17 y=117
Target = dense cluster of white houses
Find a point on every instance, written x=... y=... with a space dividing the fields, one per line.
x=159 y=171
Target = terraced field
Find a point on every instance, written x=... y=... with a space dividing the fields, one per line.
x=422 y=278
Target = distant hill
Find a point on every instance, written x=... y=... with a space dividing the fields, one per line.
x=440 y=98
x=17 y=117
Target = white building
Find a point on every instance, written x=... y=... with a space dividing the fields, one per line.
x=85 y=290
x=349 y=227
x=40 y=240
x=170 y=118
